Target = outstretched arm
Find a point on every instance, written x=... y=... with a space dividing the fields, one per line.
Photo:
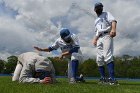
x=40 y=49
x=64 y=54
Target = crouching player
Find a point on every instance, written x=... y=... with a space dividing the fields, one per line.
x=69 y=45
x=33 y=68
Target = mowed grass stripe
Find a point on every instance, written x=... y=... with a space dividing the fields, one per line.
x=91 y=86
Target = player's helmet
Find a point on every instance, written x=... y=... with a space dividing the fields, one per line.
x=64 y=32
x=65 y=35
x=98 y=4
x=41 y=69
x=98 y=8
x=41 y=74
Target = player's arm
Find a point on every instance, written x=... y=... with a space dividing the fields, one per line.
x=113 y=30
x=26 y=73
x=95 y=38
x=64 y=54
x=40 y=49
x=72 y=50
x=54 y=46
x=113 y=22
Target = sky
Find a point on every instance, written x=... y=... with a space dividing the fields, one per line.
x=28 y=23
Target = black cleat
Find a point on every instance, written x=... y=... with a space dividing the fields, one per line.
x=102 y=81
x=81 y=78
x=113 y=82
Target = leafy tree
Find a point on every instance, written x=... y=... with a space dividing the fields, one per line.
x=1 y=65
x=126 y=58
x=60 y=66
x=10 y=64
x=89 y=68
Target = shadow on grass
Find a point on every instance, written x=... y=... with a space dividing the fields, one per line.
x=120 y=83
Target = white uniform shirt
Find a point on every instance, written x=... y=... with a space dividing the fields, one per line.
x=28 y=56
x=60 y=43
x=30 y=62
x=103 y=23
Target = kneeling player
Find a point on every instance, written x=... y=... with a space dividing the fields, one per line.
x=33 y=68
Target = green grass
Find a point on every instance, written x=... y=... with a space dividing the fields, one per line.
x=91 y=86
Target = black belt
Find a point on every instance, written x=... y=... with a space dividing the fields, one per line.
x=106 y=32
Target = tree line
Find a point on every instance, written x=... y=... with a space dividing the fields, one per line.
x=125 y=66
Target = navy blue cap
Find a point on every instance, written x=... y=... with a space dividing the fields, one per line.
x=98 y=4
x=64 y=32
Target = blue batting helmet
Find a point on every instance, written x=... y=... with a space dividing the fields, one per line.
x=64 y=33
x=40 y=73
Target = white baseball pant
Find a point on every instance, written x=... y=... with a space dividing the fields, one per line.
x=104 y=50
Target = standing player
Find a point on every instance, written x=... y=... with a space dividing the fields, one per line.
x=105 y=26
x=69 y=45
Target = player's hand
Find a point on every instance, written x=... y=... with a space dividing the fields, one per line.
x=94 y=42
x=61 y=56
x=37 y=48
x=112 y=33
x=46 y=80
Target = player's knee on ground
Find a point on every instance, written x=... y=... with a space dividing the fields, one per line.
x=74 y=56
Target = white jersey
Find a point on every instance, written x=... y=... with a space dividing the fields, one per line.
x=103 y=23
x=105 y=43
x=60 y=43
x=28 y=56
x=27 y=64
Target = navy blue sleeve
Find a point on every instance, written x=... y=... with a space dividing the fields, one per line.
x=74 y=49
x=50 y=48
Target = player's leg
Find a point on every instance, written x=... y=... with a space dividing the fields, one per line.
x=69 y=70
x=110 y=67
x=102 y=71
x=53 y=73
x=100 y=61
x=77 y=58
x=17 y=72
x=75 y=64
x=111 y=79
x=108 y=56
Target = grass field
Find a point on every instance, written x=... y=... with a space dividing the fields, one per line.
x=91 y=86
